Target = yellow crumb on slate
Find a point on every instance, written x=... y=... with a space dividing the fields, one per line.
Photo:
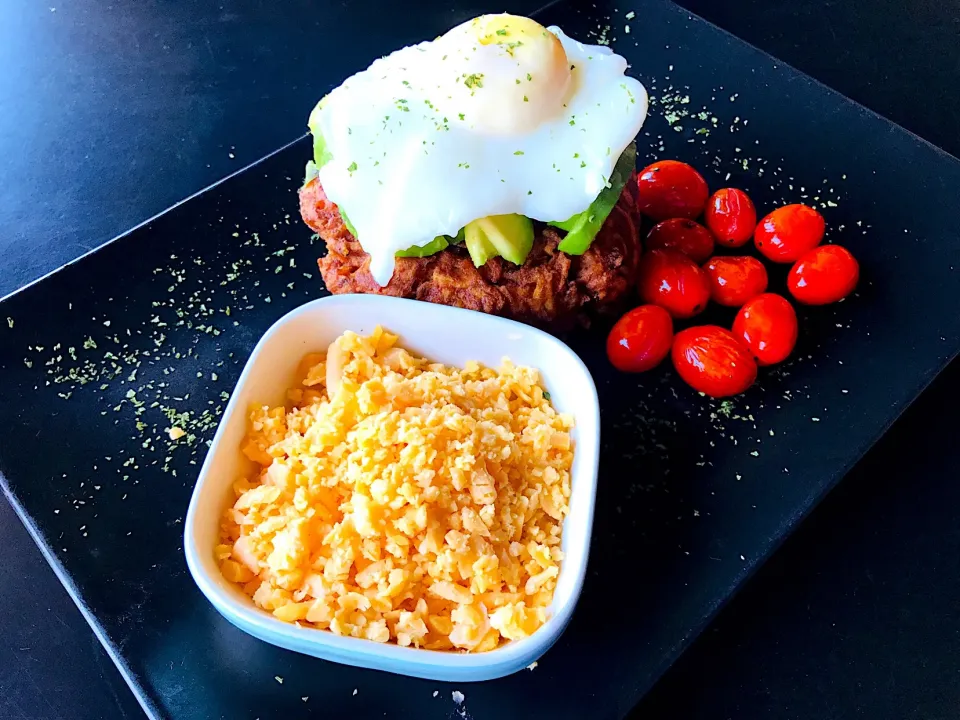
x=400 y=500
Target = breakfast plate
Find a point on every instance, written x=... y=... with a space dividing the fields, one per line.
x=692 y=493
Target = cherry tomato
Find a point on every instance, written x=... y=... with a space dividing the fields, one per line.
x=641 y=339
x=735 y=279
x=688 y=236
x=712 y=361
x=767 y=325
x=824 y=275
x=671 y=189
x=788 y=232
x=673 y=281
x=731 y=217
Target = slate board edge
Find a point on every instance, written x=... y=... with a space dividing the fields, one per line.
x=153 y=218
x=673 y=654
x=809 y=78
x=28 y=523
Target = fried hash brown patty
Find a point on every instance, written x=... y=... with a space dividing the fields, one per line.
x=550 y=288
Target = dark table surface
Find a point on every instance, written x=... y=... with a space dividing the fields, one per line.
x=109 y=113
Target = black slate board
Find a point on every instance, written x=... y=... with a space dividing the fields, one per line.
x=693 y=494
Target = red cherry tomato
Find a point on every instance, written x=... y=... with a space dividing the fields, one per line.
x=735 y=279
x=731 y=217
x=789 y=232
x=641 y=339
x=824 y=275
x=688 y=236
x=767 y=325
x=671 y=189
x=712 y=361
x=673 y=281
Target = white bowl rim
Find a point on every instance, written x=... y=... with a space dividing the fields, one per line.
x=434 y=664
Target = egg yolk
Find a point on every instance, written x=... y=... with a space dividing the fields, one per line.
x=504 y=74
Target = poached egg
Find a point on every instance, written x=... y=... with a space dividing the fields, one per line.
x=498 y=116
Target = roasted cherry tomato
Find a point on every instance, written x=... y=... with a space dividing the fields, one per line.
x=789 y=232
x=824 y=275
x=671 y=189
x=673 y=281
x=641 y=339
x=688 y=236
x=712 y=361
x=731 y=217
x=767 y=325
x=735 y=279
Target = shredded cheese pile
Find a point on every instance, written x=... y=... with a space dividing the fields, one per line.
x=400 y=500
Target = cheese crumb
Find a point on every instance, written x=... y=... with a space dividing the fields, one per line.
x=457 y=697
x=176 y=433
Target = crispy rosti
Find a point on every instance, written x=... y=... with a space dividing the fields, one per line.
x=551 y=288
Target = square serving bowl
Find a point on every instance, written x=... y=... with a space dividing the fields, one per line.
x=439 y=333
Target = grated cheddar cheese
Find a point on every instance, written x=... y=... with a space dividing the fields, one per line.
x=400 y=500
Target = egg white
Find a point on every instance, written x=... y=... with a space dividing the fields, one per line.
x=407 y=167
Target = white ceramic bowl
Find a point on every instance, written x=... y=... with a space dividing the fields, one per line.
x=443 y=334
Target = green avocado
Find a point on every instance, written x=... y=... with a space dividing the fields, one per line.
x=511 y=235
x=347 y=223
x=479 y=247
x=321 y=155
x=507 y=236
x=583 y=227
x=434 y=246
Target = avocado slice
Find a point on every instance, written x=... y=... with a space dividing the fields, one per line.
x=507 y=236
x=434 y=246
x=511 y=235
x=477 y=244
x=583 y=227
x=321 y=154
